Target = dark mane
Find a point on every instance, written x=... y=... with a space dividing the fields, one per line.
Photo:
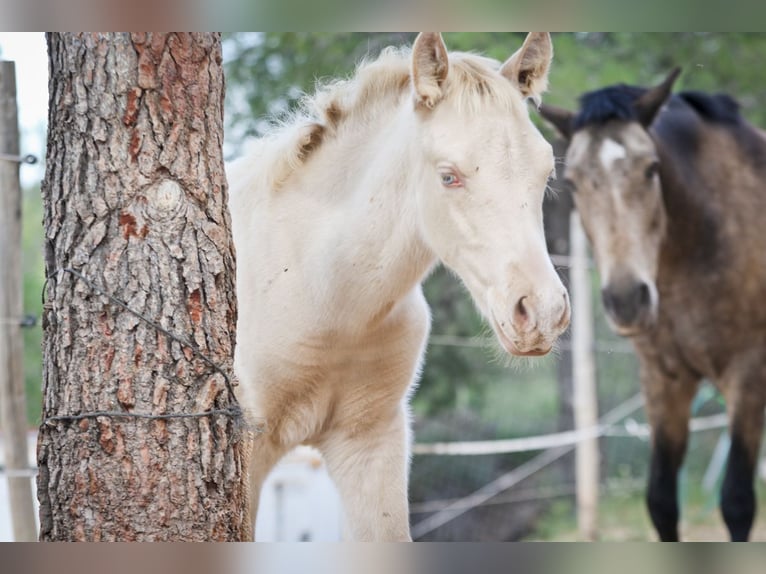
x=610 y=103
x=616 y=103
x=718 y=108
x=689 y=112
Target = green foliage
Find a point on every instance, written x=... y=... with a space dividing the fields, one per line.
x=268 y=72
x=33 y=278
x=453 y=375
x=622 y=516
x=714 y=62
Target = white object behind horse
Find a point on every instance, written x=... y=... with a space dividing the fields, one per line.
x=338 y=217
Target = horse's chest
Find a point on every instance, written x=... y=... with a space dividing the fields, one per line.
x=683 y=342
x=698 y=343
x=707 y=319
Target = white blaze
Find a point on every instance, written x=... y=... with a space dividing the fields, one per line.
x=610 y=152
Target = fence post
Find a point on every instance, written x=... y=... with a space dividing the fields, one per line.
x=13 y=412
x=585 y=394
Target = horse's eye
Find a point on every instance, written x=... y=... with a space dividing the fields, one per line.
x=652 y=170
x=450 y=180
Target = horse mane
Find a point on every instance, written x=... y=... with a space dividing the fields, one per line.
x=616 y=103
x=375 y=86
x=717 y=108
x=605 y=104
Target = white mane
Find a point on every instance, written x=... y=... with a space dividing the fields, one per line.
x=374 y=88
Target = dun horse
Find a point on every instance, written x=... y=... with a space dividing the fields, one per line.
x=671 y=193
x=422 y=156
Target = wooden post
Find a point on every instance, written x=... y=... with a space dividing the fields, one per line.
x=585 y=395
x=13 y=411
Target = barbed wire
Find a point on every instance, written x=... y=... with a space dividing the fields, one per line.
x=233 y=411
x=25 y=322
x=15 y=158
x=230 y=412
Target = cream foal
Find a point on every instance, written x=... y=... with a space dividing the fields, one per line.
x=420 y=157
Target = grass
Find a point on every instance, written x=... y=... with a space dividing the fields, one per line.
x=622 y=517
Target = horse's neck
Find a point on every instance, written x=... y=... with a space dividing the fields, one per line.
x=706 y=197
x=691 y=223
x=371 y=239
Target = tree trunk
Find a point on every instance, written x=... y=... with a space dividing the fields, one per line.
x=136 y=208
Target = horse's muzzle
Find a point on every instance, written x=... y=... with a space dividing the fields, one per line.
x=629 y=306
x=535 y=325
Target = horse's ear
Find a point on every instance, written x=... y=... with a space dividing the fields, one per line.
x=650 y=103
x=528 y=67
x=559 y=118
x=429 y=68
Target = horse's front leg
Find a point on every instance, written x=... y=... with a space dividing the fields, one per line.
x=745 y=396
x=369 y=463
x=263 y=456
x=668 y=403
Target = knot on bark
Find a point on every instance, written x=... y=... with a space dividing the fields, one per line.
x=165 y=201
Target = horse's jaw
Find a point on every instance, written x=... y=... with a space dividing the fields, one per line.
x=631 y=331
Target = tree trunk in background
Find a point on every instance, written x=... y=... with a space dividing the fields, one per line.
x=136 y=201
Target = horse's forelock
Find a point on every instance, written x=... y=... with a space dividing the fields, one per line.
x=474 y=84
x=472 y=81
x=610 y=103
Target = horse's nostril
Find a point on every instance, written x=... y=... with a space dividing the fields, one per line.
x=627 y=302
x=520 y=313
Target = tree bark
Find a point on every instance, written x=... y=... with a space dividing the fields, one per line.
x=136 y=201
